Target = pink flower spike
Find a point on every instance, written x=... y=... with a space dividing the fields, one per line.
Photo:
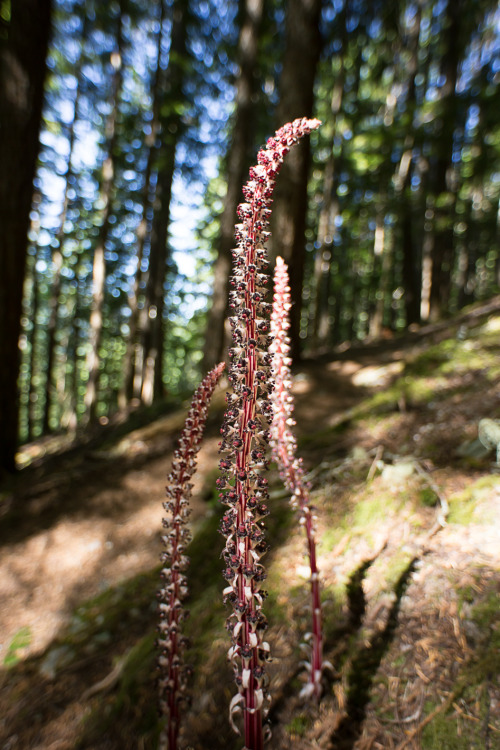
x=284 y=447
x=245 y=434
x=171 y=643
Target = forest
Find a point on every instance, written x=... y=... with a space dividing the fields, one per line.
x=150 y=115
x=129 y=129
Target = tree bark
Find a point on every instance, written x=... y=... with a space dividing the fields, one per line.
x=99 y=265
x=57 y=253
x=134 y=357
x=383 y=250
x=300 y=61
x=238 y=161
x=443 y=179
x=22 y=73
x=34 y=353
x=330 y=206
x=412 y=262
x=171 y=129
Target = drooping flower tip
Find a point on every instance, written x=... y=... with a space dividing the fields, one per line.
x=314 y=123
x=245 y=431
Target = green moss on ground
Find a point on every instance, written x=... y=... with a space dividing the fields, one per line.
x=466 y=728
x=298 y=726
x=471 y=505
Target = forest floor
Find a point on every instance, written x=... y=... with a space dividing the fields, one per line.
x=408 y=507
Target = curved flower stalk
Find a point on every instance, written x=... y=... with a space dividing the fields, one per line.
x=284 y=448
x=171 y=642
x=245 y=433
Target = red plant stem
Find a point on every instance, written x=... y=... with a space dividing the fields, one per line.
x=173 y=674
x=245 y=435
x=284 y=451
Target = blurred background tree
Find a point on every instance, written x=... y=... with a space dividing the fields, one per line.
x=115 y=257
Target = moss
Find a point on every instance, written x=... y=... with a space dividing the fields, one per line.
x=450 y=731
x=334 y=601
x=205 y=624
x=468 y=506
x=19 y=642
x=466 y=595
x=392 y=568
x=383 y=402
x=324 y=437
x=441 y=733
x=486 y=615
x=298 y=726
x=130 y=700
x=427 y=376
x=456 y=355
x=330 y=538
x=427 y=497
x=111 y=611
x=375 y=506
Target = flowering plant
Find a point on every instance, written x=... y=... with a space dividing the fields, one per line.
x=284 y=448
x=171 y=642
x=246 y=431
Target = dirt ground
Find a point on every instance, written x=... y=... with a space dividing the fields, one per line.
x=408 y=639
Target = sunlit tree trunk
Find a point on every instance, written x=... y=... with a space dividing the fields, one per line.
x=466 y=271
x=382 y=250
x=300 y=61
x=238 y=160
x=99 y=264
x=22 y=72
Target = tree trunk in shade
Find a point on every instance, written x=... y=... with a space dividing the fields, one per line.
x=152 y=330
x=330 y=207
x=300 y=61
x=22 y=73
x=239 y=158
x=443 y=185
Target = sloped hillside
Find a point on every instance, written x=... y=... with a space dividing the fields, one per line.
x=408 y=506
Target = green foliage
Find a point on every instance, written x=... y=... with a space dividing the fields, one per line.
x=20 y=641
x=5 y=10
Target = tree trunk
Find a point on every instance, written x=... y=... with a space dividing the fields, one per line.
x=412 y=262
x=237 y=165
x=70 y=416
x=382 y=250
x=34 y=353
x=302 y=51
x=57 y=253
x=22 y=72
x=171 y=130
x=330 y=207
x=99 y=265
x=134 y=356
x=443 y=180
